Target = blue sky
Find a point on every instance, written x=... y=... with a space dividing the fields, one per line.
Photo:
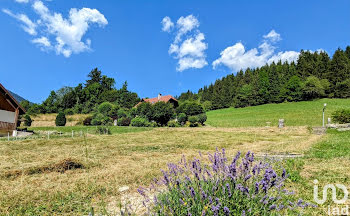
x=202 y=41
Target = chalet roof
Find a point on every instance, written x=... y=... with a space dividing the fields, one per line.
x=165 y=99
x=11 y=99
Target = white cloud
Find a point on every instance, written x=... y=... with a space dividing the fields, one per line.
x=167 y=24
x=190 y=51
x=236 y=57
x=273 y=36
x=42 y=41
x=28 y=25
x=288 y=56
x=66 y=33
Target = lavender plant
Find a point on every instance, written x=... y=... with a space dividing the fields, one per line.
x=238 y=187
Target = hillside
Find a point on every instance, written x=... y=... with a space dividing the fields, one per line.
x=17 y=97
x=307 y=113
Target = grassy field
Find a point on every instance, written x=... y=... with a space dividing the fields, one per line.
x=133 y=159
x=34 y=181
x=295 y=114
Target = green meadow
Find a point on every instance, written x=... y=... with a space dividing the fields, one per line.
x=306 y=113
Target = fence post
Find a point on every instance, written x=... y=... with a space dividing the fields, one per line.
x=48 y=135
x=72 y=133
x=8 y=136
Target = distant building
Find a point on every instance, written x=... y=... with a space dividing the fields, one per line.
x=10 y=110
x=166 y=99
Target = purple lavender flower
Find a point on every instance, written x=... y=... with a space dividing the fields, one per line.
x=228 y=190
x=193 y=193
x=273 y=207
x=247 y=177
x=226 y=211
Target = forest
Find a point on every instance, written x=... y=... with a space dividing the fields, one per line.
x=314 y=75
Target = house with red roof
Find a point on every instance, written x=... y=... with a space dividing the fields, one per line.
x=166 y=99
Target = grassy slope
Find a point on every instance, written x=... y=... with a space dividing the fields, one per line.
x=308 y=113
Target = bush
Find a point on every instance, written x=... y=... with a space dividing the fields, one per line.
x=193 y=121
x=87 y=121
x=124 y=121
x=182 y=118
x=153 y=124
x=190 y=108
x=162 y=112
x=69 y=111
x=173 y=123
x=27 y=121
x=140 y=122
x=122 y=113
x=104 y=108
x=61 y=119
x=103 y=130
x=341 y=116
x=223 y=187
x=100 y=119
x=202 y=118
x=208 y=105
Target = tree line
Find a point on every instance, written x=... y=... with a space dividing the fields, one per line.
x=85 y=97
x=314 y=75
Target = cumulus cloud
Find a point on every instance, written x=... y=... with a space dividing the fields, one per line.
x=64 y=35
x=28 y=25
x=236 y=57
x=189 y=44
x=167 y=24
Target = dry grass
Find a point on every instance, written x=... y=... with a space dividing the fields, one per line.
x=110 y=162
x=48 y=120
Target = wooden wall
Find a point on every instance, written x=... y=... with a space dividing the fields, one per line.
x=5 y=105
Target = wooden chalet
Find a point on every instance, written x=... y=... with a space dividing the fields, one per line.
x=10 y=109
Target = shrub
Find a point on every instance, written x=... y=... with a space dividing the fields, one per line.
x=223 y=187
x=162 y=112
x=61 y=119
x=153 y=124
x=207 y=105
x=182 y=118
x=104 y=108
x=145 y=110
x=27 y=121
x=124 y=121
x=202 y=118
x=193 y=121
x=103 y=130
x=341 y=116
x=122 y=113
x=87 y=121
x=173 y=123
x=69 y=111
x=140 y=122
x=190 y=108
x=100 y=119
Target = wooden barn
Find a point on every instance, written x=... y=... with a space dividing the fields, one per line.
x=10 y=110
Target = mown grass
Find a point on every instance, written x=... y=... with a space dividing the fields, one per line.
x=109 y=162
x=88 y=129
x=307 y=113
